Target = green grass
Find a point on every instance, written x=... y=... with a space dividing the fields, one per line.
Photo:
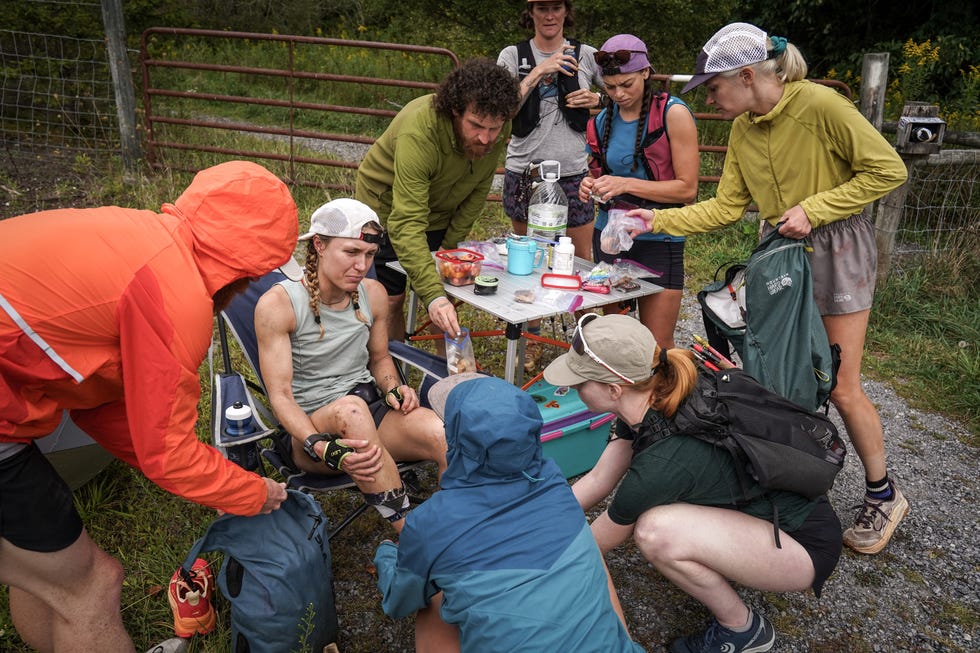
x=924 y=340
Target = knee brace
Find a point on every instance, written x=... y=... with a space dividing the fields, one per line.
x=392 y=504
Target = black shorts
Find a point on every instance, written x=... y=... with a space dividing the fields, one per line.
x=821 y=536
x=665 y=257
x=394 y=281
x=375 y=402
x=36 y=508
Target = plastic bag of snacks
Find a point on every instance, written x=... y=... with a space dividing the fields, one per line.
x=459 y=352
x=615 y=236
x=488 y=250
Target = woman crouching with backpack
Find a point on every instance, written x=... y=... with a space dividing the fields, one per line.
x=677 y=492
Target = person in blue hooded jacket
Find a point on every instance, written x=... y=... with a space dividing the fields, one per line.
x=504 y=540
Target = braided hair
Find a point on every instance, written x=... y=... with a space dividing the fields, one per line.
x=313 y=285
x=648 y=92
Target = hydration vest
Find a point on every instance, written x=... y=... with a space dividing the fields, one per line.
x=530 y=114
x=656 y=157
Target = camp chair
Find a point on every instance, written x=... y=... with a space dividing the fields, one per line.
x=255 y=450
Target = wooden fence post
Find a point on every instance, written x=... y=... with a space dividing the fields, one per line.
x=874 y=84
x=122 y=82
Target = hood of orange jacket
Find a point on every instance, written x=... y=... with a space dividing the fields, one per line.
x=241 y=219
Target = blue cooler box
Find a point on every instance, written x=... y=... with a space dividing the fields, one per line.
x=572 y=434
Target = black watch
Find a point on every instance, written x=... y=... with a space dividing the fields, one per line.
x=309 y=442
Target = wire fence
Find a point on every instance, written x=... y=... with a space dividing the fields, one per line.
x=941 y=214
x=56 y=94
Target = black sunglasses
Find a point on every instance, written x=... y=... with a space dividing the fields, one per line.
x=620 y=57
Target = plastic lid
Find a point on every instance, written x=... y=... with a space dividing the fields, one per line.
x=550 y=176
x=237 y=412
x=564 y=240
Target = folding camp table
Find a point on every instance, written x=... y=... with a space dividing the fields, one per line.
x=516 y=314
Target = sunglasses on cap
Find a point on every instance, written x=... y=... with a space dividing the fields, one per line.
x=580 y=347
x=619 y=57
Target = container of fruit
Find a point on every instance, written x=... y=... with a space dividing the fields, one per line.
x=459 y=267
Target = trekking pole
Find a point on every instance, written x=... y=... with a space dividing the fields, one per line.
x=721 y=359
x=704 y=360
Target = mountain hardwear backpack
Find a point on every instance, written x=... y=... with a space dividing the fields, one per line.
x=765 y=308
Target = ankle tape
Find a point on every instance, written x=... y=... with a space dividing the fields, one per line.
x=392 y=504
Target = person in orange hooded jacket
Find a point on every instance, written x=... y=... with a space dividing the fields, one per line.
x=107 y=313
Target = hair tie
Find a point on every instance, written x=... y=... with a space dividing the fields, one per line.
x=663 y=357
x=778 y=46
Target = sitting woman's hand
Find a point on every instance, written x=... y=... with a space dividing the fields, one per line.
x=364 y=463
x=402 y=398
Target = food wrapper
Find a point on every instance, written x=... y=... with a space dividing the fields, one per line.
x=487 y=249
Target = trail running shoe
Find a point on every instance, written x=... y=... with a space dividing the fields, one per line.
x=758 y=638
x=875 y=522
x=190 y=599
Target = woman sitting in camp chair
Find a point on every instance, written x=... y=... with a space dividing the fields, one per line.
x=323 y=350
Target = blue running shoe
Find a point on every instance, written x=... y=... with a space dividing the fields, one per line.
x=759 y=638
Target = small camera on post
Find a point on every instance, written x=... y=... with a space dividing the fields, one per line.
x=920 y=129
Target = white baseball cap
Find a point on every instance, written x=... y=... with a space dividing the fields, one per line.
x=733 y=46
x=343 y=218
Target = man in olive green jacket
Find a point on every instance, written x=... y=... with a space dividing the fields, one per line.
x=428 y=175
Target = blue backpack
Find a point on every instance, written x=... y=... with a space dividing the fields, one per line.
x=277 y=576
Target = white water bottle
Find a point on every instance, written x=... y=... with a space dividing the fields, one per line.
x=547 y=210
x=238 y=419
x=563 y=259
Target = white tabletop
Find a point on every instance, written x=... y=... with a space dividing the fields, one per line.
x=503 y=305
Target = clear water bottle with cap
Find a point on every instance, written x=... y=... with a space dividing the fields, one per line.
x=238 y=426
x=547 y=210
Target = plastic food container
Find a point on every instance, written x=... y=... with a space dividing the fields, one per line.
x=485 y=285
x=459 y=267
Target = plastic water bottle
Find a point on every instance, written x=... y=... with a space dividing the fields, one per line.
x=547 y=211
x=238 y=425
x=563 y=259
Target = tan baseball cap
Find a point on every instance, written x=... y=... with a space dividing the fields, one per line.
x=439 y=393
x=608 y=349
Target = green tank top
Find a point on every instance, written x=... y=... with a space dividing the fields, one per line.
x=327 y=368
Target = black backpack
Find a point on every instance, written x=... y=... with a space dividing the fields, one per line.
x=528 y=117
x=779 y=444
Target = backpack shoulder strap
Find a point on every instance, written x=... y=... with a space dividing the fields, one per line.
x=524 y=53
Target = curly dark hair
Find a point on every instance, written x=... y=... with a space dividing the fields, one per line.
x=489 y=88
x=527 y=21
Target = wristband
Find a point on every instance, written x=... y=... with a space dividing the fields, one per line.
x=335 y=454
x=396 y=393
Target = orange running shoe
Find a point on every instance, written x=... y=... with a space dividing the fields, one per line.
x=190 y=599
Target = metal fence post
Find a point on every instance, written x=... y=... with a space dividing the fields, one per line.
x=122 y=82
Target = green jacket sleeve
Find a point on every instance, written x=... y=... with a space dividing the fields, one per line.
x=408 y=221
x=467 y=214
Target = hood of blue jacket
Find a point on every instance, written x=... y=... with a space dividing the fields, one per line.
x=493 y=434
